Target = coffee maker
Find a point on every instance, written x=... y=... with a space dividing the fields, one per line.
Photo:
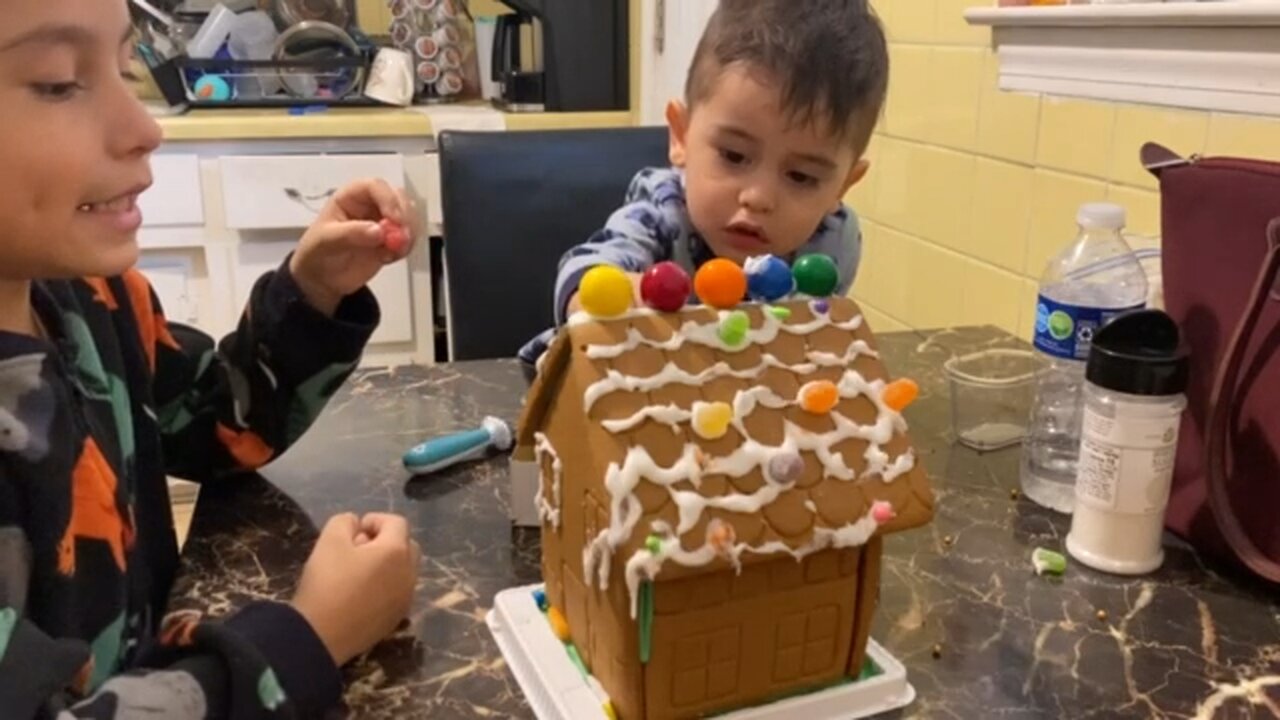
x=563 y=56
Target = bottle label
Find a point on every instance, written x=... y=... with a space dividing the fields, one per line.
x=1126 y=465
x=1066 y=331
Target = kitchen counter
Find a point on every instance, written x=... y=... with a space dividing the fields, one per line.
x=980 y=634
x=267 y=124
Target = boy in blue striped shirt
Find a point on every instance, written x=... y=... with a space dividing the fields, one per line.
x=780 y=103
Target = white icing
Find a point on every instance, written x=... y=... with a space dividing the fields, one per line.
x=672 y=374
x=548 y=512
x=583 y=317
x=671 y=415
x=708 y=334
x=646 y=564
x=623 y=478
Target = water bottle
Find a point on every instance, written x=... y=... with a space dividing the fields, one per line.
x=1090 y=282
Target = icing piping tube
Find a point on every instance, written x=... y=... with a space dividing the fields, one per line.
x=442 y=452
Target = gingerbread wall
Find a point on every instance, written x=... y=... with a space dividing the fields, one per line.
x=722 y=641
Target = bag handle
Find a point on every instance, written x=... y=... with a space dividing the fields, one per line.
x=1222 y=408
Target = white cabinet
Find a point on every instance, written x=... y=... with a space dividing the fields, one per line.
x=171 y=277
x=670 y=30
x=175 y=196
x=220 y=214
x=392 y=287
x=287 y=192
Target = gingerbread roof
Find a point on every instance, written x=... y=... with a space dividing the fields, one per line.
x=681 y=503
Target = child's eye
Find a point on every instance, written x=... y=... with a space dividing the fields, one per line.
x=732 y=157
x=802 y=179
x=56 y=91
x=130 y=76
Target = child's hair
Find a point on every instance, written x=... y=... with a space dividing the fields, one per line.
x=830 y=56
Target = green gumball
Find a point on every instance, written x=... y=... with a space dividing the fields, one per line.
x=816 y=275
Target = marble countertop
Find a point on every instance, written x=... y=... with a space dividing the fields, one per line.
x=980 y=634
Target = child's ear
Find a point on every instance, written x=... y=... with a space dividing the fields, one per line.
x=856 y=173
x=678 y=125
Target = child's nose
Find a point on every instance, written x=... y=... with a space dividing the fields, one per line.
x=757 y=196
x=134 y=131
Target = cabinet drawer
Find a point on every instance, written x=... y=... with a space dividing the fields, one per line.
x=392 y=287
x=175 y=194
x=283 y=192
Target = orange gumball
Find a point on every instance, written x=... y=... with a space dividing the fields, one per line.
x=819 y=397
x=899 y=394
x=720 y=283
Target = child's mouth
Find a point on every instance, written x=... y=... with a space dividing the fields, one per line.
x=121 y=213
x=747 y=238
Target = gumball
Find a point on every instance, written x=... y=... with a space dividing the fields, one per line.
x=605 y=291
x=768 y=278
x=734 y=328
x=820 y=307
x=882 y=512
x=816 y=275
x=899 y=394
x=785 y=468
x=394 y=236
x=665 y=287
x=711 y=420
x=720 y=283
x=819 y=397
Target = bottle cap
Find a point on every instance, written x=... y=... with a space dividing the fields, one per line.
x=1139 y=353
x=1101 y=216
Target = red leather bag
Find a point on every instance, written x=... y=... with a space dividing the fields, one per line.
x=1221 y=220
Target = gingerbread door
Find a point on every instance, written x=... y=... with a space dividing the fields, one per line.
x=721 y=642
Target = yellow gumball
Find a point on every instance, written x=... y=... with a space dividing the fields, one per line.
x=605 y=291
x=711 y=420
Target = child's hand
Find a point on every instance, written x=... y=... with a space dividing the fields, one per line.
x=345 y=247
x=352 y=556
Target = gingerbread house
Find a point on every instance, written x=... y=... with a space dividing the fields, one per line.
x=712 y=536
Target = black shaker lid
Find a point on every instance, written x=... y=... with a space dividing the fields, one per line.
x=1139 y=353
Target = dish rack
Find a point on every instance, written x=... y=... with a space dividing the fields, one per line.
x=264 y=83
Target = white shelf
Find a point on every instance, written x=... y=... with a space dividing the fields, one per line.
x=1221 y=56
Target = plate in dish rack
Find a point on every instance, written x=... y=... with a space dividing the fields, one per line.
x=556 y=690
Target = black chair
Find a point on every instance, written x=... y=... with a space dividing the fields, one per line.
x=514 y=202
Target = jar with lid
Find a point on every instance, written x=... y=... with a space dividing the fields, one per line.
x=1133 y=403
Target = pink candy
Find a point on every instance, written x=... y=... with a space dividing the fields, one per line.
x=394 y=236
x=883 y=512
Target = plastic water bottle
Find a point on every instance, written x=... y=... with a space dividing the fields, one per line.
x=1085 y=286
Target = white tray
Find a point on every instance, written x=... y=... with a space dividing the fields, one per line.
x=556 y=690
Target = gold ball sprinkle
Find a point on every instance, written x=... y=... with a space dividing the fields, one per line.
x=948 y=541
x=1102 y=616
x=937 y=651
x=1014 y=494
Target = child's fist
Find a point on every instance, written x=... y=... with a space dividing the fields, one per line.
x=366 y=225
x=352 y=556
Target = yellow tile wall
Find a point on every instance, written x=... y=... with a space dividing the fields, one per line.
x=972 y=189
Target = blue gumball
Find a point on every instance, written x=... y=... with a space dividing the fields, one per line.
x=769 y=278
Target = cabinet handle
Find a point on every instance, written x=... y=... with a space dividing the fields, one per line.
x=310 y=202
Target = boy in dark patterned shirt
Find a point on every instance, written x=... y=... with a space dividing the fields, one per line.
x=101 y=398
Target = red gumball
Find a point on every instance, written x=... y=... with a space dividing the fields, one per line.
x=665 y=287
x=394 y=237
